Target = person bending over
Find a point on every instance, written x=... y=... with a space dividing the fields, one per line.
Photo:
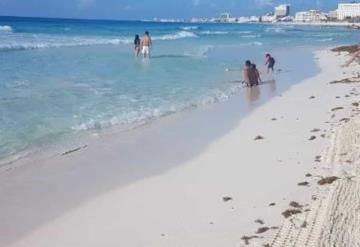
x=269 y=62
x=249 y=74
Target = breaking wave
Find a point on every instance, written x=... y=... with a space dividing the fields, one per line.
x=6 y=29
x=178 y=35
x=188 y=28
x=42 y=43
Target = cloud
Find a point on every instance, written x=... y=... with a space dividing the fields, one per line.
x=264 y=3
x=84 y=4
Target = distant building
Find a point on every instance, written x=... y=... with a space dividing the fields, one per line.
x=348 y=11
x=282 y=10
x=333 y=15
x=225 y=17
x=310 y=16
x=267 y=18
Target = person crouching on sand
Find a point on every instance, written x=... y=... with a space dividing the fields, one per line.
x=269 y=62
x=146 y=44
x=249 y=74
x=137 y=44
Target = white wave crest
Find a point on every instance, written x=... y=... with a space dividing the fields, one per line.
x=178 y=35
x=32 y=45
x=257 y=43
x=6 y=29
x=188 y=28
x=275 y=30
x=214 y=32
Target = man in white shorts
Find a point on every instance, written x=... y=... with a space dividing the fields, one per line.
x=146 y=44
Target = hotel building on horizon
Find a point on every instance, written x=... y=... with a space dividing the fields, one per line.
x=348 y=11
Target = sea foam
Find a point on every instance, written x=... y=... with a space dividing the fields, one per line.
x=6 y=29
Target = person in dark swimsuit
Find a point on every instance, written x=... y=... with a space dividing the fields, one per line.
x=137 y=43
x=270 y=62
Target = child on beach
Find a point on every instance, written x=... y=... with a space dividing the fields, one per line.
x=270 y=62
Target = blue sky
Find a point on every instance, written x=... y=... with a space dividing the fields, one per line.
x=138 y=9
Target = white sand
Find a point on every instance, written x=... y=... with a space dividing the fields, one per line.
x=90 y=198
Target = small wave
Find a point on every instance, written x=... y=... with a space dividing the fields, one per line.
x=189 y=28
x=208 y=32
x=178 y=35
x=72 y=43
x=275 y=30
x=214 y=32
x=145 y=115
x=251 y=36
x=6 y=29
x=257 y=43
x=326 y=39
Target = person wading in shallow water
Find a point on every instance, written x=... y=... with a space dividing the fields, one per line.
x=137 y=44
x=146 y=44
x=249 y=74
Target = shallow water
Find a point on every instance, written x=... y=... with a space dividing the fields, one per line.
x=59 y=78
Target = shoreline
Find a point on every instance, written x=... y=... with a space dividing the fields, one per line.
x=73 y=141
x=212 y=198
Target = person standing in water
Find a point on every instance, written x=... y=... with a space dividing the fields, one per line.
x=137 y=44
x=146 y=44
x=270 y=62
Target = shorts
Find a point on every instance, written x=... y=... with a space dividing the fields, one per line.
x=271 y=66
x=146 y=50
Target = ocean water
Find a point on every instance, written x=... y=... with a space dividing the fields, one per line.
x=60 y=78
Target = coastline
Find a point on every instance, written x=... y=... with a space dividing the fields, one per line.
x=211 y=199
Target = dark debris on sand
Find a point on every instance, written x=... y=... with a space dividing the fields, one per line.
x=312 y=138
x=303 y=184
x=262 y=230
x=259 y=221
x=295 y=204
x=259 y=138
x=289 y=212
x=248 y=238
x=327 y=180
x=337 y=108
x=227 y=198
x=346 y=48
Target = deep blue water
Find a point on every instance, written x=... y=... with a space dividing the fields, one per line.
x=62 y=77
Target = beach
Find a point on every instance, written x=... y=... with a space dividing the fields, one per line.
x=202 y=177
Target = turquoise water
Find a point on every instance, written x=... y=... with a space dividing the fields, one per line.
x=63 y=77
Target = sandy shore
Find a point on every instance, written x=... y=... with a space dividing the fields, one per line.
x=232 y=193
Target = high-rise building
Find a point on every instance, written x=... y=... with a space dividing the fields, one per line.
x=348 y=10
x=282 y=10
